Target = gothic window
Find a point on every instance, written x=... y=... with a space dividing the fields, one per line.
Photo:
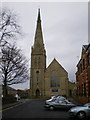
x=35 y=61
x=55 y=79
x=39 y=60
x=37 y=76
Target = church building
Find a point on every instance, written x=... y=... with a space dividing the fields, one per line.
x=45 y=81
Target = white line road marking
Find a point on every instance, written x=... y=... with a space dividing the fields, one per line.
x=11 y=107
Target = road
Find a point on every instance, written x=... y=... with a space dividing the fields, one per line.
x=33 y=109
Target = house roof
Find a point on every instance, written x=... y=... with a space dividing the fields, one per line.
x=84 y=49
x=85 y=46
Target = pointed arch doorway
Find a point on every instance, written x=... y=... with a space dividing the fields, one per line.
x=37 y=92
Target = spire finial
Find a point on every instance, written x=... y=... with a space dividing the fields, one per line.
x=39 y=9
x=39 y=15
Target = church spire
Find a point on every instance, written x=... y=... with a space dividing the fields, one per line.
x=38 y=20
x=38 y=42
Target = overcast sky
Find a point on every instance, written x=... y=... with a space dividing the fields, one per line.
x=65 y=30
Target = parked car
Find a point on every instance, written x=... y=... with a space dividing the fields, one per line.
x=59 y=104
x=57 y=97
x=54 y=97
x=80 y=112
x=50 y=100
x=60 y=98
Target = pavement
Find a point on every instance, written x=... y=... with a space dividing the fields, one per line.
x=13 y=104
x=9 y=105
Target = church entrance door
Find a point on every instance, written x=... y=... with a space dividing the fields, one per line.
x=37 y=92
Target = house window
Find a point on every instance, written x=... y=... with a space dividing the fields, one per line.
x=89 y=89
x=89 y=59
x=77 y=92
x=55 y=79
x=84 y=89
x=83 y=64
x=70 y=92
x=80 y=68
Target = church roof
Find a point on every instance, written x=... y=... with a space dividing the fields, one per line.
x=54 y=61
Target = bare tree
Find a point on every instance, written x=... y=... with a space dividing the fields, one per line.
x=9 y=27
x=13 y=67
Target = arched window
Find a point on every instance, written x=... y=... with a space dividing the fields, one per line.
x=55 y=82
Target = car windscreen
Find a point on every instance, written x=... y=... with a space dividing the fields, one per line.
x=87 y=104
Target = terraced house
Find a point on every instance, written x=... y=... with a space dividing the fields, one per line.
x=83 y=75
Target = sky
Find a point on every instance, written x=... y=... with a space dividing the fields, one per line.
x=65 y=30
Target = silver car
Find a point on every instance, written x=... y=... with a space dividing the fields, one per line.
x=58 y=104
x=57 y=96
x=53 y=98
x=80 y=112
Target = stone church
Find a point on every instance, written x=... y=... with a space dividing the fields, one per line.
x=45 y=81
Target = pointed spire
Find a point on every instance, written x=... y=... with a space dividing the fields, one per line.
x=38 y=41
x=38 y=20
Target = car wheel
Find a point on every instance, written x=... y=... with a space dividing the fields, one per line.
x=81 y=115
x=51 y=108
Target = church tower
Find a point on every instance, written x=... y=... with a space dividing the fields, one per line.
x=49 y=81
x=38 y=62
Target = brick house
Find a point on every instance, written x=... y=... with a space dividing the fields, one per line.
x=83 y=75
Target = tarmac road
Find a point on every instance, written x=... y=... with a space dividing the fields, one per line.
x=33 y=109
